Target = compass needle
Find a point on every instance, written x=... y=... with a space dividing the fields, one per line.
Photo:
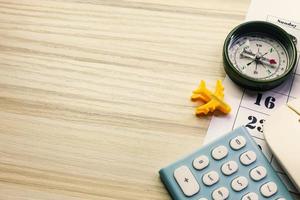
x=250 y=62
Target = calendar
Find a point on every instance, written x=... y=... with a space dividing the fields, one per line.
x=252 y=108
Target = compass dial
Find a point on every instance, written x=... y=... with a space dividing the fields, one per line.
x=258 y=56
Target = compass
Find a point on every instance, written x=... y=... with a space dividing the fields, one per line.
x=259 y=55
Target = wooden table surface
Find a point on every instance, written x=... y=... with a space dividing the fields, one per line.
x=94 y=95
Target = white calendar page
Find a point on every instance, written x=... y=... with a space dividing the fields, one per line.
x=252 y=109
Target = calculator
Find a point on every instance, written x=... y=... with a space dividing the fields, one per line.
x=231 y=167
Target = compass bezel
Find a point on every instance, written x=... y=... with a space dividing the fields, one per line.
x=264 y=28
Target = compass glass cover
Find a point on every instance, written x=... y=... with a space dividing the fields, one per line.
x=258 y=56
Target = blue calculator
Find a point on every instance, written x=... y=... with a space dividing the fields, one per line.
x=231 y=167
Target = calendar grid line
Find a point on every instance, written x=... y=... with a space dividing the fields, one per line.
x=290 y=90
x=278 y=92
x=255 y=110
x=294 y=75
x=238 y=110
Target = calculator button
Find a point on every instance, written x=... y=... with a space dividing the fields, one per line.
x=186 y=181
x=239 y=183
x=248 y=157
x=210 y=178
x=203 y=199
x=268 y=189
x=221 y=193
x=219 y=152
x=201 y=162
x=237 y=142
x=258 y=173
x=229 y=168
x=250 y=196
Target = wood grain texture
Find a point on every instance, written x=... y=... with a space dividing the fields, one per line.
x=94 y=94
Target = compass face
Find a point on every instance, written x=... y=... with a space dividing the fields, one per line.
x=258 y=56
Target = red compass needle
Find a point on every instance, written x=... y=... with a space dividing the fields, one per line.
x=272 y=61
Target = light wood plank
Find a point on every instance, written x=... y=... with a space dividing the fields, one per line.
x=94 y=95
